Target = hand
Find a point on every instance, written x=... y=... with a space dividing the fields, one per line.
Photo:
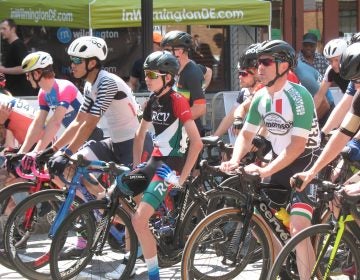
x=57 y=164
x=227 y=166
x=28 y=160
x=12 y=161
x=299 y=181
x=168 y=175
x=5 y=111
x=255 y=169
x=44 y=156
x=140 y=165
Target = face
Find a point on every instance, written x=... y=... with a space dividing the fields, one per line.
x=5 y=30
x=30 y=77
x=266 y=68
x=335 y=63
x=308 y=49
x=177 y=52
x=78 y=67
x=247 y=77
x=153 y=80
x=357 y=84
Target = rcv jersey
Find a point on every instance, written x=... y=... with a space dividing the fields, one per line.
x=63 y=93
x=288 y=112
x=111 y=97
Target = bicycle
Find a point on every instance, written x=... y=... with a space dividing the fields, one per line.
x=39 y=216
x=228 y=241
x=170 y=231
x=336 y=244
x=12 y=194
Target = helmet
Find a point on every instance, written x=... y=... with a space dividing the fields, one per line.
x=36 y=60
x=249 y=57
x=278 y=49
x=350 y=62
x=177 y=39
x=88 y=47
x=334 y=48
x=162 y=61
x=355 y=38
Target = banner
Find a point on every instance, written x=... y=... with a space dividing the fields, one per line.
x=101 y=14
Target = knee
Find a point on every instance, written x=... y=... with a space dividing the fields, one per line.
x=139 y=223
x=298 y=223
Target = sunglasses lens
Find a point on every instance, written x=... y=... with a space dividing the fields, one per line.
x=151 y=75
x=356 y=81
x=76 y=60
x=265 y=61
x=243 y=73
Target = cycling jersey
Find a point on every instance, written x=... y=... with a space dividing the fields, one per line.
x=167 y=114
x=332 y=77
x=189 y=84
x=351 y=123
x=110 y=96
x=289 y=112
x=20 y=118
x=63 y=93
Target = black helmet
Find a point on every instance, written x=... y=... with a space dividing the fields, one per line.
x=278 y=49
x=177 y=39
x=350 y=62
x=248 y=58
x=354 y=38
x=162 y=61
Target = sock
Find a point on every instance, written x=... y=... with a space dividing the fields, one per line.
x=153 y=268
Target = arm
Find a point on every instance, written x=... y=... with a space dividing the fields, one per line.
x=17 y=70
x=51 y=128
x=226 y=122
x=139 y=141
x=194 y=149
x=198 y=109
x=207 y=78
x=35 y=131
x=321 y=94
x=4 y=115
x=338 y=114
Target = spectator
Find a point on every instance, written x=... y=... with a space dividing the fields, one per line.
x=309 y=55
x=137 y=78
x=15 y=77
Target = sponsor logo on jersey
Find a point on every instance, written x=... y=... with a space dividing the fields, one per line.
x=299 y=103
x=276 y=124
x=160 y=117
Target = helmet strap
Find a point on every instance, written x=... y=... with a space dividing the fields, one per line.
x=163 y=87
x=278 y=75
x=36 y=80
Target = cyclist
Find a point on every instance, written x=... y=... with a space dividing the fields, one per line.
x=189 y=81
x=249 y=83
x=106 y=95
x=287 y=111
x=59 y=96
x=332 y=51
x=170 y=114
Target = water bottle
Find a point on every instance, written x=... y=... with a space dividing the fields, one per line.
x=283 y=216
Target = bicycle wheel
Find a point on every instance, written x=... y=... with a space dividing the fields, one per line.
x=10 y=196
x=348 y=255
x=26 y=233
x=213 y=252
x=95 y=258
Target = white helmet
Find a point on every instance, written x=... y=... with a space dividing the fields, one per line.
x=334 y=48
x=87 y=47
x=36 y=60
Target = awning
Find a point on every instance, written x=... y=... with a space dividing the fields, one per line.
x=102 y=14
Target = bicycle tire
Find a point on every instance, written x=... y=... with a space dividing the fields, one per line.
x=220 y=224
x=286 y=260
x=23 y=246
x=5 y=196
x=88 y=261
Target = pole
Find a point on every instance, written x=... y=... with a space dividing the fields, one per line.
x=147 y=26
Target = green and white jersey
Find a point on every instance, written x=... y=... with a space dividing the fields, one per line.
x=288 y=112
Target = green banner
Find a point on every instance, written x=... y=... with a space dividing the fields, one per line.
x=101 y=14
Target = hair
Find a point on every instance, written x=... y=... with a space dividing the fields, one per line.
x=47 y=72
x=11 y=22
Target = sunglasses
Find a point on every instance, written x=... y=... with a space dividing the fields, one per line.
x=172 y=50
x=266 y=61
x=76 y=60
x=245 y=73
x=356 y=81
x=153 y=75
